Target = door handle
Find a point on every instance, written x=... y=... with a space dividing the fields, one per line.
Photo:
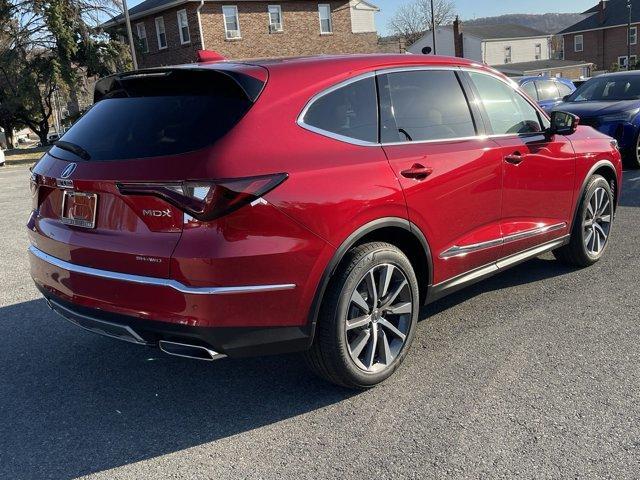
x=417 y=172
x=514 y=159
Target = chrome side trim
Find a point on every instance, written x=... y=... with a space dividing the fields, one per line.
x=458 y=251
x=159 y=282
x=514 y=237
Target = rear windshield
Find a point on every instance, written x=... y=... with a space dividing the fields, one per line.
x=157 y=115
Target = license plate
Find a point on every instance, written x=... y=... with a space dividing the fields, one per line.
x=79 y=209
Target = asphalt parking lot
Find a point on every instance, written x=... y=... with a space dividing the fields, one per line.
x=534 y=373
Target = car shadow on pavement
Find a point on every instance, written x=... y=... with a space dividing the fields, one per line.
x=74 y=403
x=534 y=270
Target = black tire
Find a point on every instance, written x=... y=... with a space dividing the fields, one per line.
x=577 y=252
x=631 y=157
x=330 y=356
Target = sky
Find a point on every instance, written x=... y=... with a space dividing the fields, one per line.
x=468 y=9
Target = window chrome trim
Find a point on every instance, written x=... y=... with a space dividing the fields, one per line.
x=458 y=251
x=410 y=68
x=154 y=281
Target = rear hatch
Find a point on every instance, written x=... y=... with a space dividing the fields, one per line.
x=145 y=128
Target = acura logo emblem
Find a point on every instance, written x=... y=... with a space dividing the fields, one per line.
x=66 y=173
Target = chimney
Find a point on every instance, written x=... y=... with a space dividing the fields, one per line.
x=601 y=7
x=457 y=38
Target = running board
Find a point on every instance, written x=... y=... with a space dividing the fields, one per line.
x=449 y=286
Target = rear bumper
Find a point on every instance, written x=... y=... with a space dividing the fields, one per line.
x=231 y=320
x=229 y=341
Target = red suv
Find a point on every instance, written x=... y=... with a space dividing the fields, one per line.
x=308 y=204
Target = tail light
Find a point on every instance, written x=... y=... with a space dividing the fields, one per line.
x=208 y=200
x=34 y=186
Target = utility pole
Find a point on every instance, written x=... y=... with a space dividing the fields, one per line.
x=433 y=28
x=629 y=36
x=127 y=20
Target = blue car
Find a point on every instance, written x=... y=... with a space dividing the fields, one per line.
x=547 y=91
x=610 y=103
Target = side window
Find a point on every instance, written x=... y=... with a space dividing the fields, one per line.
x=508 y=111
x=350 y=111
x=563 y=89
x=426 y=105
x=547 y=90
x=530 y=89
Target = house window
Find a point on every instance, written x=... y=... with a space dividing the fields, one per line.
x=324 y=10
x=183 y=27
x=231 y=22
x=507 y=54
x=161 y=33
x=622 y=61
x=538 y=54
x=633 y=35
x=142 y=37
x=275 y=18
x=578 y=43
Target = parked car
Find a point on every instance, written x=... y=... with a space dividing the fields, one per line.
x=610 y=103
x=547 y=91
x=2 y=159
x=312 y=204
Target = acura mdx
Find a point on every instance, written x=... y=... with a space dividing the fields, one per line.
x=308 y=204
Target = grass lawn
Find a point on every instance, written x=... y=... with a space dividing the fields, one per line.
x=21 y=156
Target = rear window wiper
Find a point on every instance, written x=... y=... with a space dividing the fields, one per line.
x=73 y=148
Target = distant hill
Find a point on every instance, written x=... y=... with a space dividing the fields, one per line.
x=546 y=22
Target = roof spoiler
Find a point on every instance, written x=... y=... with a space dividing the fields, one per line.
x=173 y=79
x=209 y=56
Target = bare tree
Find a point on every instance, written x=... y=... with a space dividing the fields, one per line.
x=412 y=19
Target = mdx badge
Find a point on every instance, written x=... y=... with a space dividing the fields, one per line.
x=156 y=213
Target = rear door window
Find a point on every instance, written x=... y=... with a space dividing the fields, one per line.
x=349 y=111
x=508 y=111
x=424 y=105
x=530 y=89
x=158 y=115
x=563 y=89
x=547 y=90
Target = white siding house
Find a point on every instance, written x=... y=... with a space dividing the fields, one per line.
x=363 y=16
x=493 y=45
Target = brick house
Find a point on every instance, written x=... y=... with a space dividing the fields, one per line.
x=601 y=37
x=170 y=32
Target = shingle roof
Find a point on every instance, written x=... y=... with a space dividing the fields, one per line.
x=538 y=65
x=615 y=13
x=506 y=30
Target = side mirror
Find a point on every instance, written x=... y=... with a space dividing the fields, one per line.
x=563 y=123
x=566 y=97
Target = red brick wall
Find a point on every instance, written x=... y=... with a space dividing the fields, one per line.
x=301 y=35
x=602 y=47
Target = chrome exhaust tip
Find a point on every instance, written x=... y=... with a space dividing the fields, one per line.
x=195 y=352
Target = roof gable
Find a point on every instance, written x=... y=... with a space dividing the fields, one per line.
x=615 y=14
x=506 y=30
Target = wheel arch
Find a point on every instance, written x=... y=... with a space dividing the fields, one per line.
x=396 y=231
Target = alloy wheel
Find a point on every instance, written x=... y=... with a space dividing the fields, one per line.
x=379 y=318
x=597 y=221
